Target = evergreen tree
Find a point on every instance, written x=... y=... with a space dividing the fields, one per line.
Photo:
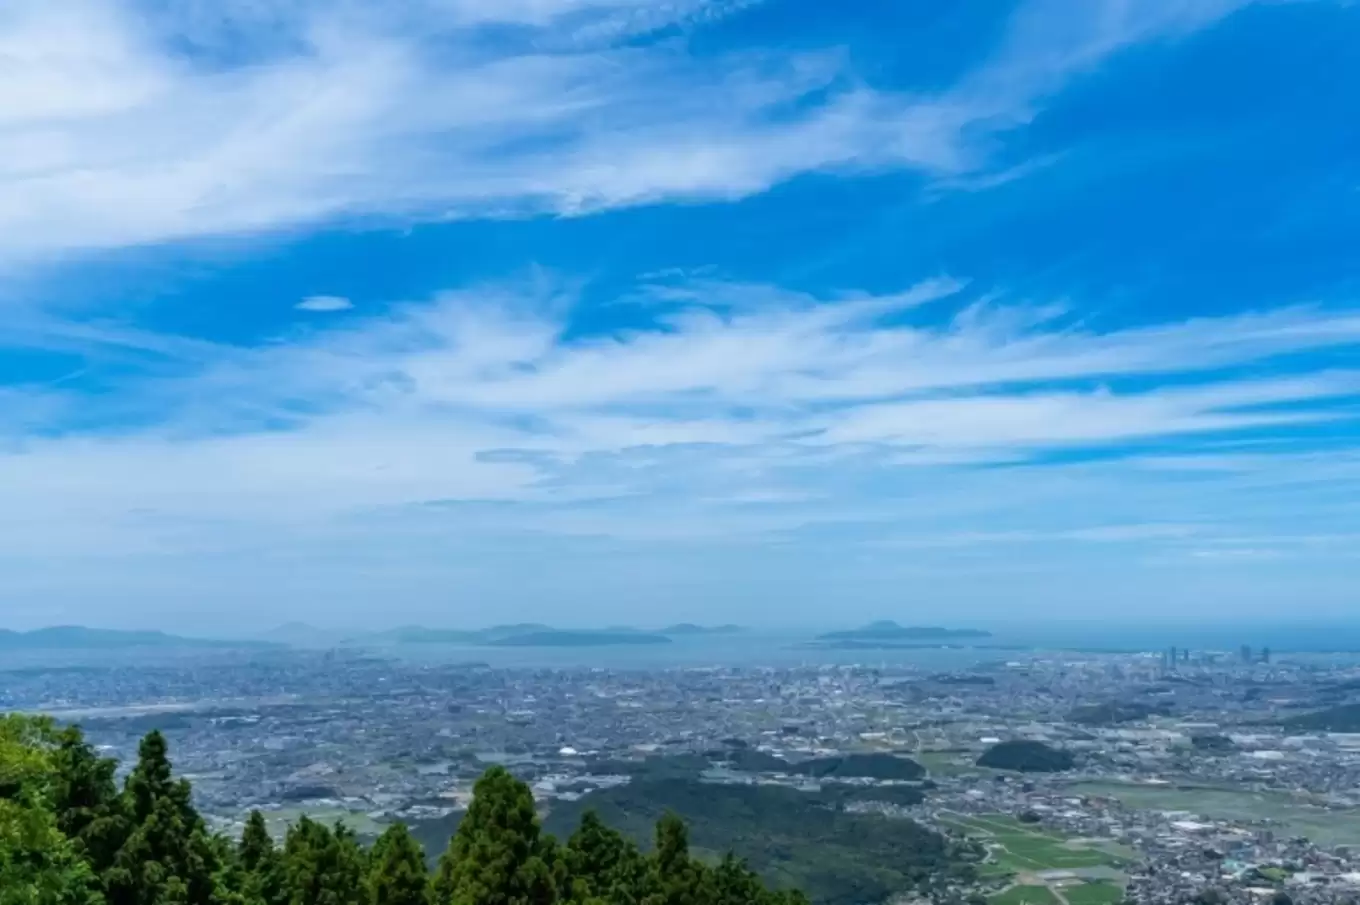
x=252 y=871
x=230 y=878
x=677 y=879
x=85 y=797
x=256 y=850
x=39 y=864
x=604 y=865
x=497 y=856
x=168 y=858
x=734 y=884
x=68 y=837
x=261 y=880
x=396 y=870
x=322 y=866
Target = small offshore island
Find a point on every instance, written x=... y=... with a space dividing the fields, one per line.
x=561 y=638
x=888 y=635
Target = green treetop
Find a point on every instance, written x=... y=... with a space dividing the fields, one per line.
x=396 y=870
x=323 y=865
x=604 y=865
x=497 y=856
x=168 y=858
x=39 y=864
x=69 y=836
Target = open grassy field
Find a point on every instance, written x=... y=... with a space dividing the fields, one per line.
x=946 y=763
x=1092 y=894
x=1323 y=826
x=1020 y=847
x=279 y=821
x=1025 y=895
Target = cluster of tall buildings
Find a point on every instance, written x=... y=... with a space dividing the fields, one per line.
x=1175 y=655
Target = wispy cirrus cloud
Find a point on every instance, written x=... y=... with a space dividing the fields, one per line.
x=127 y=122
x=808 y=410
x=733 y=437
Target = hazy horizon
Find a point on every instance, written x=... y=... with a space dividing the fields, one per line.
x=1344 y=634
x=588 y=312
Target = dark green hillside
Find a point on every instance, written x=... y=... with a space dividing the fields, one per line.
x=791 y=838
x=1027 y=757
x=861 y=766
x=1342 y=718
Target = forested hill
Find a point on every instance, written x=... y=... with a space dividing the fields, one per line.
x=1026 y=756
x=795 y=839
x=1342 y=718
x=70 y=835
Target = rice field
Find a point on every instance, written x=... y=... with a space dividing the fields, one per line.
x=1025 y=848
x=1092 y=894
x=1025 y=895
x=1322 y=825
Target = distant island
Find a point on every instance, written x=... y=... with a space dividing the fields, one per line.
x=887 y=630
x=520 y=634
x=418 y=634
x=888 y=635
x=689 y=628
x=559 y=638
x=78 y=637
x=524 y=634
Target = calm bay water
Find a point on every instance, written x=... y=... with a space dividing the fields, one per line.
x=768 y=648
x=760 y=648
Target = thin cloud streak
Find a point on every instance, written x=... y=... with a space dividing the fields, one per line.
x=115 y=137
x=477 y=398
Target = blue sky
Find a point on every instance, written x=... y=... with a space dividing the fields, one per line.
x=590 y=311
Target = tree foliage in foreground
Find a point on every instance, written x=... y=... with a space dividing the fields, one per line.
x=70 y=835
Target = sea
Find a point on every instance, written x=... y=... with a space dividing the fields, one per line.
x=786 y=648
x=1337 y=644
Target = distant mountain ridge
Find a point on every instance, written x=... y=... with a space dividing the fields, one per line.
x=533 y=634
x=78 y=637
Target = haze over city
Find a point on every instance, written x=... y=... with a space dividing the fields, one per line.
x=462 y=312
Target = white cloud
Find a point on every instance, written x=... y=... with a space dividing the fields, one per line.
x=324 y=303
x=286 y=112
x=425 y=447
x=847 y=411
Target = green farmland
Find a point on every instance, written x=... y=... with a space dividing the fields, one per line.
x=1325 y=826
x=1092 y=894
x=1025 y=848
x=1021 y=852
x=1025 y=895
